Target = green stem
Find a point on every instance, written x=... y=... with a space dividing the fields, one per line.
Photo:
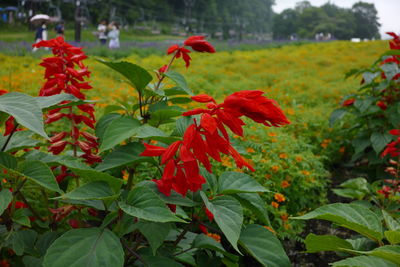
x=130 y=179
x=9 y=137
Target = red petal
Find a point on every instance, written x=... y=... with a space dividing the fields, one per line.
x=203 y=98
x=170 y=152
x=152 y=151
x=172 y=49
x=208 y=123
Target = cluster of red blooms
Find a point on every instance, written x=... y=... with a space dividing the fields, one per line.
x=65 y=73
x=209 y=138
x=389 y=95
x=393 y=148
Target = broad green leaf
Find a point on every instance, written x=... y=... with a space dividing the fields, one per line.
x=354 y=188
x=256 y=204
x=158 y=261
x=122 y=155
x=25 y=110
x=89 y=247
x=143 y=203
x=8 y=160
x=103 y=122
x=51 y=102
x=380 y=140
x=20 y=140
x=369 y=76
x=351 y=216
x=5 y=199
x=389 y=253
x=92 y=175
x=179 y=80
x=317 y=243
x=23 y=241
x=237 y=182
x=45 y=240
x=138 y=77
x=228 y=214
x=364 y=261
x=163 y=116
x=337 y=114
x=390 y=69
x=117 y=131
x=206 y=242
x=263 y=246
x=211 y=179
x=391 y=223
x=39 y=173
x=154 y=232
x=393 y=237
x=20 y=216
x=93 y=190
x=360 y=144
x=180 y=100
x=30 y=261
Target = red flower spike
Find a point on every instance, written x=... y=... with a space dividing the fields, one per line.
x=203 y=98
x=197 y=43
x=74 y=223
x=152 y=151
x=169 y=170
x=381 y=105
x=172 y=49
x=163 y=69
x=58 y=137
x=172 y=207
x=209 y=214
x=189 y=134
x=89 y=137
x=208 y=123
x=57 y=147
x=348 y=102
x=170 y=152
x=164 y=187
x=9 y=125
x=394 y=132
x=54 y=117
x=203 y=229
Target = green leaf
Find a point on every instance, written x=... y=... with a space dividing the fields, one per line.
x=20 y=140
x=7 y=160
x=256 y=204
x=393 y=237
x=158 y=261
x=351 y=216
x=236 y=182
x=30 y=261
x=390 y=253
x=90 y=175
x=390 y=69
x=360 y=144
x=180 y=100
x=23 y=241
x=182 y=123
x=354 y=188
x=92 y=190
x=117 y=131
x=85 y=247
x=20 y=216
x=263 y=246
x=122 y=155
x=163 y=116
x=391 y=223
x=380 y=140
x=369 y=76
x=337 y=114
x=317 y=243
x=143 y=203
x=154 y=232
x=25 y=110
x=228 y=214
x=204 y=241
x=138 y=77
x=363 y=104
x=5 y=199
x=51 y=102
x=103 y=122
x=364 y=261
x=39 y=173
x=179 y=80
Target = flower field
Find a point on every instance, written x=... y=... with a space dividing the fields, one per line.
x=307 y=81
x=197 y=157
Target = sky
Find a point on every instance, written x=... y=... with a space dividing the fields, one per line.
x=388 y=11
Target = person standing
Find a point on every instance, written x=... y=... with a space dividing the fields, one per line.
x=102 y=32
x=41 y=34
x=113 y=35
x=59 y=29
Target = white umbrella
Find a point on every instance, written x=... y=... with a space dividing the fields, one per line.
x=39 y=17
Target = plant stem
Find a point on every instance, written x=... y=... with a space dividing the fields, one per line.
x=163 y=76
x=181 y=252
x=9 y=137
x=182 y=234
x=132 y=252
x=130 y=179
x=19 y=187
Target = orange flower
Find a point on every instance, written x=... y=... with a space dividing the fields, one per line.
x=324 y=145
x=153 y=142
x=283 y=156
x=216 y=237
x=299 y=159
x=284 y=217
x=279 y=197
x=305 y=172
x=342 y=149
x=250 y=150
x=270 y=229
x=285 y=184
x=275 y=204
x=272 y=134
x=275 y=168
x=268 y=176
x=125 y=175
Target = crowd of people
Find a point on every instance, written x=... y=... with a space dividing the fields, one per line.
x=104 y=33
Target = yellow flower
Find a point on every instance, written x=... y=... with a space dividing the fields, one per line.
x=305 y=172
x=275 y=204
x=279 y=197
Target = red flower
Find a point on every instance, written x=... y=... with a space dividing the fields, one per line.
x=4 y=263
x=348 y=102
x=74 y=223
x=209 y=214
x=392 y=148
x=57 y=147
x=197 y=43
x=203 y=98
x=382 y=105
x=163 y=69
x=385 y=191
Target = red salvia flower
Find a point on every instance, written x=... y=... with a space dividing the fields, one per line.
x=348 y=102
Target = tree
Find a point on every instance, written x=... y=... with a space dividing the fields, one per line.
x=366 y=17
